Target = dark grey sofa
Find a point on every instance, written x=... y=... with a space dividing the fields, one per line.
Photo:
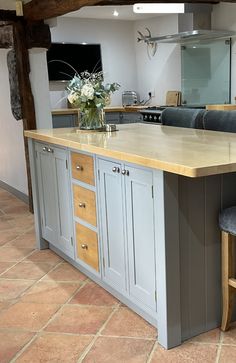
x=183 y=117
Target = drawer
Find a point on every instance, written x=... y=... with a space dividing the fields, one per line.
x=87 y=246
x=85 y=204
x=82 y=168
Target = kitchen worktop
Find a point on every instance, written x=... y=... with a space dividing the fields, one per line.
x=182 y=151
x=66 y=111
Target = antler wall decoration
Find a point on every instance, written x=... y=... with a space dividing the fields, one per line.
x=151 y=45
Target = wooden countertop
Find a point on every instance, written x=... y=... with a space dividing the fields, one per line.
x=223 y=107
x=69 y=111
x=182 y=151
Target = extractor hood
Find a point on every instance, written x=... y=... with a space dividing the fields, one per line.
x=194 y=26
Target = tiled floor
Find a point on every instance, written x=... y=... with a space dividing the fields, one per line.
x=50 y=312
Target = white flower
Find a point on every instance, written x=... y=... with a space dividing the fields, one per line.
x=72 y=97
x=87 y=91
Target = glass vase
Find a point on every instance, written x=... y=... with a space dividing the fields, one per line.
x=92 y=119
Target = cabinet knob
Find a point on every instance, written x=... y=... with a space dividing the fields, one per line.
x=125 y=172
x=116 y=169
x=82 y=205
x=50 y=150
x=45 y=148
x=84 y=247
x=79 y=167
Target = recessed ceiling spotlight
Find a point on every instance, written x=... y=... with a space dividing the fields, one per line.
x=115 y=13
x=158 y=8
x=84 y=43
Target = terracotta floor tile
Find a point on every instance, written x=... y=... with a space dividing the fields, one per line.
x=5 y=265
x=22 y=223
x=65 y=272
x=79 y=320
x=27 y=316
x=11 y=343
x=26 y=240
x=126 y=323
x=27 y=271
x=17 y=209
x=227 y=354
x=55 y=348
x=213 y=336
x=11 y=289
x=4 y=225
x=46 y=256
x=229 y=337
x=7 y=236
x=50 y=292
x=13 y=254
x=186 y=353
x=92 y=294
x=119 y=350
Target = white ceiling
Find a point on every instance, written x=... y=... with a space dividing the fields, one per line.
x=106 y=12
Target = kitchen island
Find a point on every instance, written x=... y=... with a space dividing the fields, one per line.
x=136 y=210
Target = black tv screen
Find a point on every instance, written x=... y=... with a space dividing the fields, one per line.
x=62 y=58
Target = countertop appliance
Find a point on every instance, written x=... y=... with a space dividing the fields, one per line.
x=152 y=114
x=130 y=98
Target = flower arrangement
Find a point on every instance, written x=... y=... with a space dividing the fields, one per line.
x=87 y=92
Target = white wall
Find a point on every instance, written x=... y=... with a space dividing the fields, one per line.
x=40 y=87
x=162 y=72
x=117 y=47
x=12 y=156
x=223 y=17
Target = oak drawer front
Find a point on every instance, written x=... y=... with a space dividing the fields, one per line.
x=85 y=204
x=87 y=246
x=82 y=168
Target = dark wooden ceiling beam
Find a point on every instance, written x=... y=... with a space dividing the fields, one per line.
x=8 y=15
x=45 y=9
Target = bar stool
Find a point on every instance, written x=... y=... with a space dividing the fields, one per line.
x=227 y=223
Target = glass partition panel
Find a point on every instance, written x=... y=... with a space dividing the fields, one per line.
x=205 y=73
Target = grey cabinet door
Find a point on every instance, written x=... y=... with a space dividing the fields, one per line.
x=54 y=197
x=112 y=224
x=47 y=196
x=63 y=202
x=141 y=239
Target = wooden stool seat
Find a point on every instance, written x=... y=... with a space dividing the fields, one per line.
x=227 y=222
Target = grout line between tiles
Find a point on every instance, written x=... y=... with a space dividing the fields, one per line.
x=98 y=334
x=149 y=359
x=219 y=348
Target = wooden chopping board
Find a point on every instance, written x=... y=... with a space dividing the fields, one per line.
x=173 y=98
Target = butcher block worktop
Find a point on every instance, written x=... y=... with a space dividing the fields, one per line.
x=66 y=111
x=187 y=152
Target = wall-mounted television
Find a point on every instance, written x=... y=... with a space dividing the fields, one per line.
x=81 y=57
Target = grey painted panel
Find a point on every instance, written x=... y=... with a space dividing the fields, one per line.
x=213 y=188
x=195 y=245
x=46 y=183
x=40 y=242
x=64 y=209
x=112 y=220
x=141 y=242
x=167 y=258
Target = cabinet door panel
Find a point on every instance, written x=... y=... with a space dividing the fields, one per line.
x=112 y=219
x=63 y=204
x=141 y=242
x=46 y=185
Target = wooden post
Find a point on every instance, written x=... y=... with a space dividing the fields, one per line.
x=27 y=100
